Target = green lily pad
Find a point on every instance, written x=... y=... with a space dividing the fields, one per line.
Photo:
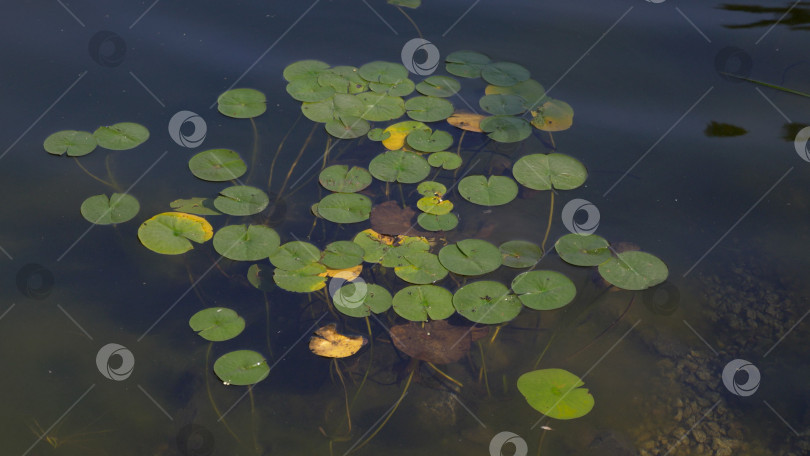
x=260 y=276
x=506 y=129
x=445 y=160
x=583 y=250
x=423 y=268
x=428 y=109
x=555 y=393
x=417 y=302
x=339 y=105
x=495 y=191
x=304 y=69
x=486 y=302
x=531 y=91
x=75 y=143
x=439 y=86
x=434 y=205
x=118 y=208
x=241 y=367
x=399 y=89
x=307 y=279
x=634 y=270
x=398 y=256
x=342 y=179
x=347 y=127
x=361 y=299
x=171 y=233
x=383 y=72
x=425 y=141
x=444 y=222
x=343 y=79
x=196 y=205
x=121 y=136
x=470 y=257
x=345 y=207
x=544 y=290
x=431 y=188
x=241 y=200
x=553 y=115
x=502 y=105
x=309 y=89
x=342 y=255
x=378 y=134
x=217 y=165
x=466 y=64
x=399 y=166
x=217 y=324
x=544 y=171
x=372 y=244
x=242 y=103
x=246 y=242
x=295 y=255
x=379 y=107
x=520 y=254
x=504 y=73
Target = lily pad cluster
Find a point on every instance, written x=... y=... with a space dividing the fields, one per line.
x=120 y=136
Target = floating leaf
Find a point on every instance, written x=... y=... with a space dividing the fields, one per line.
x=379 y=107
x=504 y=73
x=383 y=72
x=241 y=367
x=329 y=343
x=406 y=3
x=506 y=129
x=544 y=290
x=544 y=171
x=196 y=205
x=502 y=105
x=398 y=132
x=438 y=86
x=470 y=257
x=75 y=143
x=424 y=268
x=343 y=79
x=378 y=134
x=304 y=69
x=398 y=89
x=531 y=91
x=217 y=324
x=374 y=245
x=520 y=254
x=466 y=121
x=399 y=166
x=466 y=64
x=242 y=103
x=445 y=160
x=347 y=127
x=392 y=219
x=553 y=115
x=634 y=270
x=342 y=254
x=260 y=276
x=444 y=222
x=486 y=302
x=118 y=208
x=431 y=188
x=495 y=191
x=417 y=302
x=360 y=299
x=296 y=255
x=170 y=233
x=309 y=89
x=246 y=242
x=428 y=109
x=241 y=200
x=121 y=136
x=397 y=256
x=582 y=250
x=339 y=105
x=434 y=205
x=425 y=141
x=555 y=393
x=345 y=207
x=436 y=341
x=217 y=165
x=309 y=278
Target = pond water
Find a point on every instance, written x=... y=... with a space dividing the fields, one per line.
x=727 y=214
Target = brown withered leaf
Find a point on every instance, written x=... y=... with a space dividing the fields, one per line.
x=391 y=219
x=466 y=121
x=437 y=341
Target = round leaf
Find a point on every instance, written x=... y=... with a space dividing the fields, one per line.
x=423 y=268
x=347 y=127
x=434 y=205
x=504 y=73
x=217 y=165
x=196 y=205
x=634 y=270
x=75 y=143
x=327 y=342
x=170 y=233
x=339 y=105
x=486 y=302
x=502 y=105
x=308 y=89
x=428 y=109
x=379 y=107
x=118 y=208
x=295 y=255
x=438 y=86
x=417 y=302
x=555 y=393
x=398 y=132
x=399 y=166
x=506 y=129
x=241 y=367
x=241 y=200
x=495 y=191
x=470 y=257
x=309 y=278
x=121 y=136
x=544 y=171
x=217 y=324
x=466 y=64
x=531 y=91
x=425 y=141
x=544 y=290
x=260 y=276
x=242 y=103
x=431 y=188
x=246 y=242
x=383 y=72
x=553 y=115
x=304 y=69
x=520 y=254
x=361 y=299
x=398 y=89
x=444 y=222
x=582 y=250
x=345 y=207
x=342 y=255
x=342 y=179
x=445 y=160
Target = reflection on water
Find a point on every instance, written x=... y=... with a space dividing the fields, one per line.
x=795 y=15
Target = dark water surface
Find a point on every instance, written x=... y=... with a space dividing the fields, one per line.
x=728 y=215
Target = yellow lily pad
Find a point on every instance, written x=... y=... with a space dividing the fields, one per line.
x=171 y=233
x=327 y=342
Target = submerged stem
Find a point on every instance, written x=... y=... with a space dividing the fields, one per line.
x=86 y=171
x=390 y=414
x=548 y=227
x=419 y=32
x=211 y=396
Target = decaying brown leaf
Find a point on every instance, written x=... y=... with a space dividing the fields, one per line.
x=327 y=342
x=436 y=341
x=391 y=219
x=466 y=121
